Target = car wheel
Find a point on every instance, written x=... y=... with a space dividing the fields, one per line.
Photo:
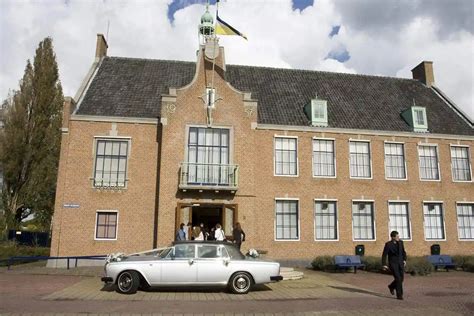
x=128 y=282
x=240 y=283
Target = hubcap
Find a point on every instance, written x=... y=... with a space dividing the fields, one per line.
x=125 y=282
x=241 y=282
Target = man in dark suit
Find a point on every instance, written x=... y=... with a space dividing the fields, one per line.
x=397 y=259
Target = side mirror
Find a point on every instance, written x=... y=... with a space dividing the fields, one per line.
x=226 y=261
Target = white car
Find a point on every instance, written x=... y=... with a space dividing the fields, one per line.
x=191 y=263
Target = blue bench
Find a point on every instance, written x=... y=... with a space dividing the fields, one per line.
x=345 y=262
x=443 y=261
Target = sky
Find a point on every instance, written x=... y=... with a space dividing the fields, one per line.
x=374 y=37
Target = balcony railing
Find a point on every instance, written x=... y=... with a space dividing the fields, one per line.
x=206 y=176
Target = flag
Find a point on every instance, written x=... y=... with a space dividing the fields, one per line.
x=222 y=28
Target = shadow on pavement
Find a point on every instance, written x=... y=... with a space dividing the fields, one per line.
x=196 y=289
x=356 y=290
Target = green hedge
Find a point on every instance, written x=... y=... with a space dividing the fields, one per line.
x=323 y=263
x=415 y=265
x=418 y=266
x=11 y=249
x=466 y=263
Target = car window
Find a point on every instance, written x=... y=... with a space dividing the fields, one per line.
x=209 y=251
x=234 y=253
x=165 y=253
x=184 y=251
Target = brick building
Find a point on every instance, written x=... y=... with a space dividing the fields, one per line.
x=310 y=163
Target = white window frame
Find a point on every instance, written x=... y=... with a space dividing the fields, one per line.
x=469 y=161
x=336 y=223
x=335 y=159
x=95 y=225
x=211 y=91
x=275 y=219
x=419 y=161
x=94 y=158
x=317 y=121
x=443 y=212
x=404 y=161
x=231 y=139
x=457 y=220
x=374 y=221
x=419 y=127
x=409 y=217
x=297 y=157
x=370 y=159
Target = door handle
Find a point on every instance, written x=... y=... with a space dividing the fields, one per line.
x=191 y=261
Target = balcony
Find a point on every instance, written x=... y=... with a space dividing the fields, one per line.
x=205 y=176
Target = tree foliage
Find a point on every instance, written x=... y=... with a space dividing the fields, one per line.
x=30 y=141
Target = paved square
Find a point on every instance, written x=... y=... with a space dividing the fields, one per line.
x=47 y=291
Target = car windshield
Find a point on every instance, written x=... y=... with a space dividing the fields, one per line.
x=165 y=252
x=234 y=253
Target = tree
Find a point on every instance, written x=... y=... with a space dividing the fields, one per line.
x=30 y=141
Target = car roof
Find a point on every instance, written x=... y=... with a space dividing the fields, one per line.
x=212 y=242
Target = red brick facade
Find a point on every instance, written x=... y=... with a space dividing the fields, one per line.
x=150 y=205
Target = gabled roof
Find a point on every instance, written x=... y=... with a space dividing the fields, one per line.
x=127 y=87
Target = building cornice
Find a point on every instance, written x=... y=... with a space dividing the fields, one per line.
x=114 y=119
x=291 y=128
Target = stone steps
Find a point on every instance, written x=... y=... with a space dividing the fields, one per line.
x=290 y=274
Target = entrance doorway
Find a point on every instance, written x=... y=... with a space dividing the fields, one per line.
x=209 y=214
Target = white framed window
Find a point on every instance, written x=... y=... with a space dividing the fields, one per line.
x=360 y=160
x=429 y=163
x=287 y=219
x=460 y=163
x=210 y=97
x=106 y=225
x=286 y=156
x=395 y=165
x=111 y=158
x=420 y=122
x=363 y=221
x=324 y=158
x=465 y=212
x=399 y=219
x=208 y=156
x=434 y=221
x=325 y=220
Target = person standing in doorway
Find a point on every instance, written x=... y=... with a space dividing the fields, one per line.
x=180 y=234
x=397 y=259
x=212 y=234
x=204 y=231
x=219 y=233
x=238 y=235
x=188 y=230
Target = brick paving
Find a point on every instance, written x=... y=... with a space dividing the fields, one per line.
x=57 y=291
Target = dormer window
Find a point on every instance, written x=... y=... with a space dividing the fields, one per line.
x=210 y=97
x=317 y=112
x=416 y=117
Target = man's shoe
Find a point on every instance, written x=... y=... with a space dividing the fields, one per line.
x=400 y=298
x=392 y=291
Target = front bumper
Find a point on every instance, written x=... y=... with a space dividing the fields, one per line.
x=107 y=279
x=276 y=278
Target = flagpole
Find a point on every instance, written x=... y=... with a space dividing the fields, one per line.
x=214 y=60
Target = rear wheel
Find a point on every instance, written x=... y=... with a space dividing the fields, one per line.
x=128 y=282
x=240 y=283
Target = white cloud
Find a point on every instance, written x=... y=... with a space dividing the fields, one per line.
x=278 y=37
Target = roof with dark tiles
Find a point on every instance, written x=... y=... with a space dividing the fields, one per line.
x=128 y=87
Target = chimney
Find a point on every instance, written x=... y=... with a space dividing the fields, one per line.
x=424 y=73
x=69 y=106
x=101 y=47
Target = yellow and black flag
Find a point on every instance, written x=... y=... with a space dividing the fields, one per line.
x=223 y=28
